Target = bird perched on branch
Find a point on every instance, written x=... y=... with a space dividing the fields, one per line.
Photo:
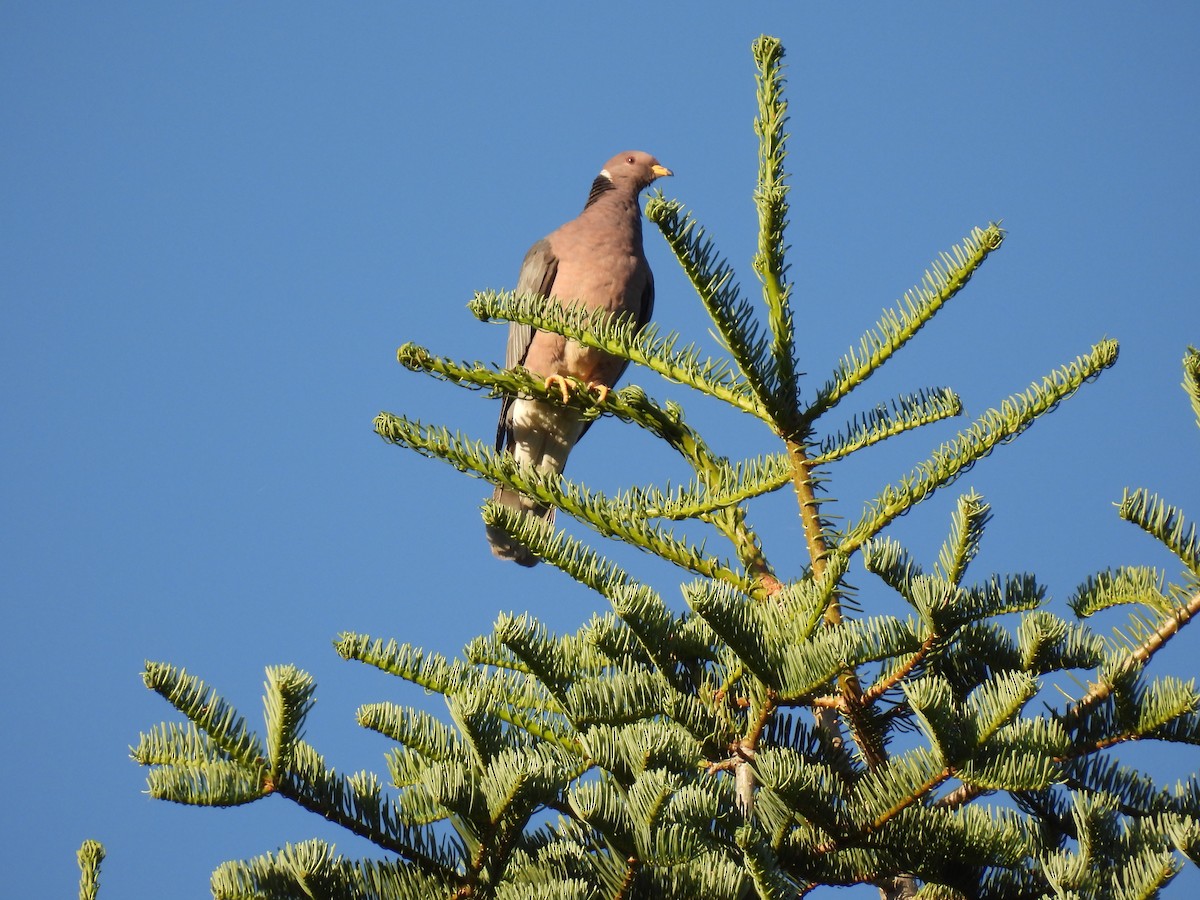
x=595 y=261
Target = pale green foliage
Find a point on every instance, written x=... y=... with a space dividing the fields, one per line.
x=1191 y=380
x=89 y=855
x=996 y=426
x=772 y=727
x=1157 y=517
x=944 y=278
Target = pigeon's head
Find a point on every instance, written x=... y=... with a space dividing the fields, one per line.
x=633 y=168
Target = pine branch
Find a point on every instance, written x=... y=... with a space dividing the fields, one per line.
x=1159 y=519
x=1110 y=861
x=173 y=742
x=591 y=508
x=733 y=315
x=884 y=792
x=487 y=652
x=901 y=415
x=732 y=523
x=357 y=803
x=1136 y=658
x=893 y=564
x=89 y=856
x=743 y=626
x=994 y=427
x=945 y=278
x=719 y=508
x=1191 y=379
x=224 y=765
x=639 y=607
x=521 y=702
x=614 y=639
x=628 y=752
x=416 y=358
x=414 y=729
x=897 y=675
x=206 y=710
x=288 y=699
x=215 y=782
x=1142 y=585
x=611 y=520
x=771 y=881
x=802 y=779
x=953 y=609
x=602 y=808
x=1047 y=643
x=310 y=869
x=429 y=670
x=1136 y=794
x=645 y=614
x=617 y=336
x=629 y=404
x=966 y=531
x=515 y=785
x=558 y=548
x=770 y=197
x=550 y=660
x=732 y=485
x=995 y=703
x=619 y=696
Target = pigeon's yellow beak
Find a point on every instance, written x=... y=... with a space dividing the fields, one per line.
x=660 y=171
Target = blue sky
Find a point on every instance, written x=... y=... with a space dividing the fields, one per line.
x=220 y=222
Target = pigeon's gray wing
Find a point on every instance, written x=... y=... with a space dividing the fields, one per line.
x=647 y=307
x=645 y=310
x=537 y=277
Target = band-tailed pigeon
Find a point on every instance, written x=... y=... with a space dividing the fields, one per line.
x=595 y=260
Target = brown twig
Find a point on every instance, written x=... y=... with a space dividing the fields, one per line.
x=891 y=813
x=1139 y=656
x=882 y=686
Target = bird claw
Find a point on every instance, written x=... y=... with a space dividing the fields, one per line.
x=564 y=386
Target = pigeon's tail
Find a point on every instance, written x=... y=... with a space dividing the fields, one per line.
x=504 y=546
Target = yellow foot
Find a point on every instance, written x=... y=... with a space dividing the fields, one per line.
x=565 y=385
x=562 y=385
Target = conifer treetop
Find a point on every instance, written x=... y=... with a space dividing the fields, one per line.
x=824 y=708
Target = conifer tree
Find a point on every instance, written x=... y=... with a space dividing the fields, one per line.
x=773 y=732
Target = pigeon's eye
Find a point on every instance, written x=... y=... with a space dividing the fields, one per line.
x=629 y=159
